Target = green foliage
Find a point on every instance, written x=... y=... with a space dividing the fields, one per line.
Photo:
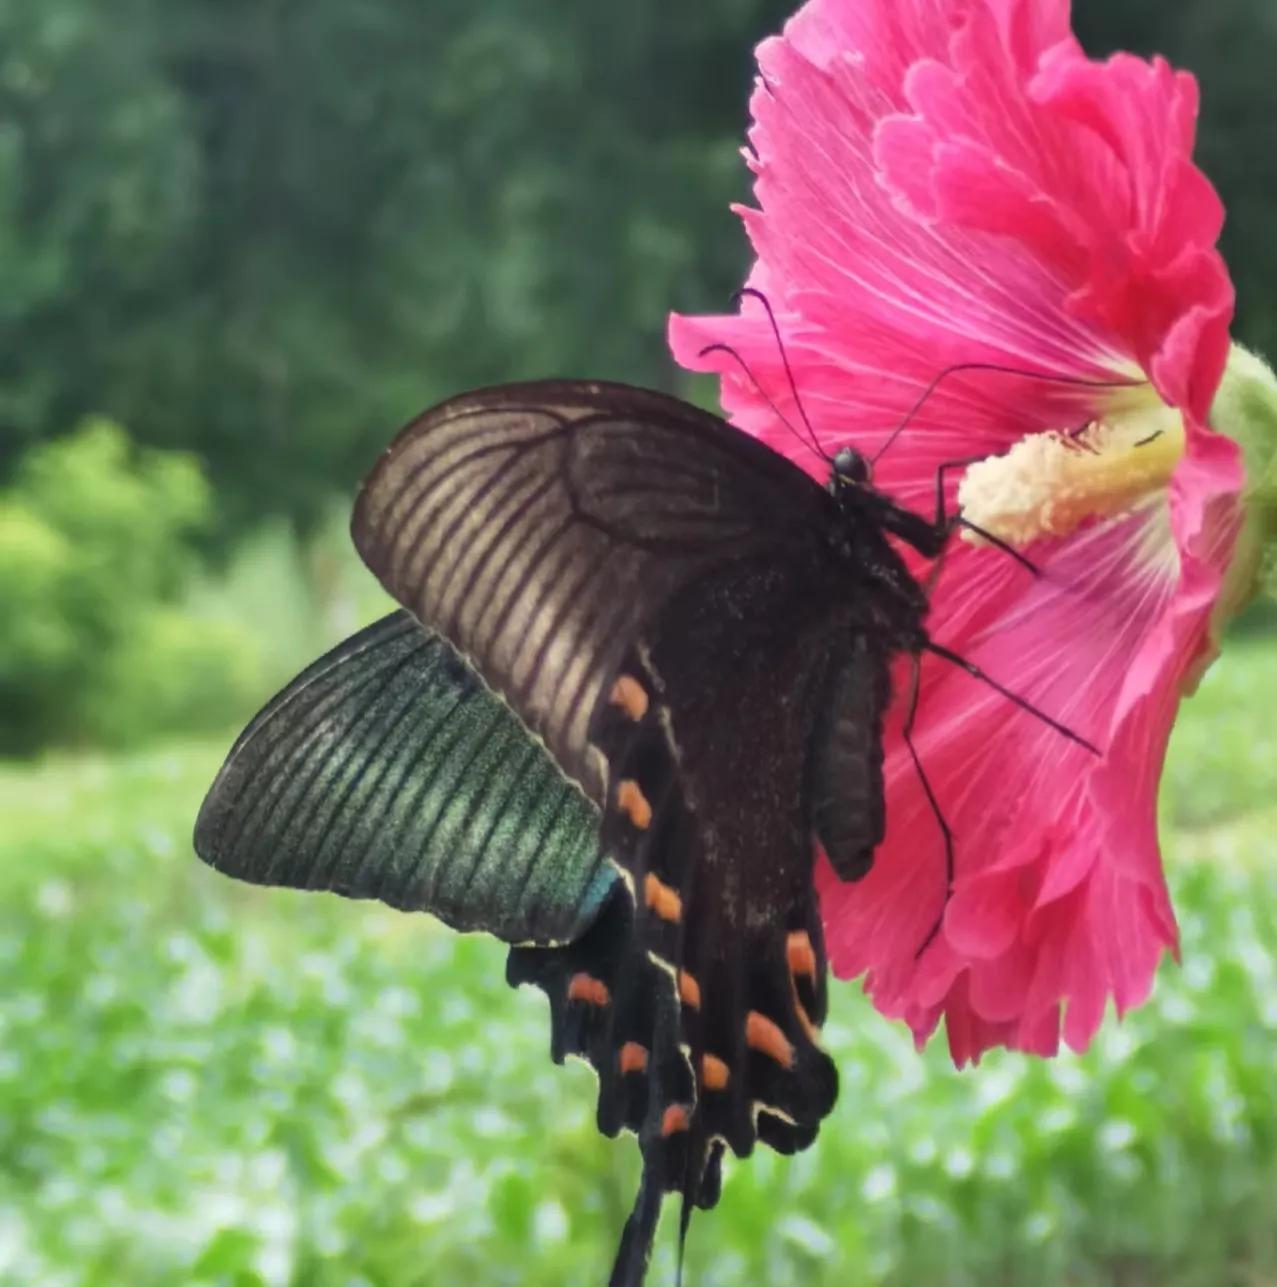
x=95 y=544
x=203 y=1083
x=299 y=595
x=97 y=167
x=1220 y=768
x=171 y=671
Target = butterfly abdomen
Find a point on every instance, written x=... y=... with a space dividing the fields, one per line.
x=845 y=760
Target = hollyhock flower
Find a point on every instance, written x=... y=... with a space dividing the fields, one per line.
x=943 y=183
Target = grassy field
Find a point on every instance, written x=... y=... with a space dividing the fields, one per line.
x=207 y=1084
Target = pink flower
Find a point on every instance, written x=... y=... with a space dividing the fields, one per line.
x=945 y=182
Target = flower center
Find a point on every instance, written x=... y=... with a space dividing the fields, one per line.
x=1050 y=483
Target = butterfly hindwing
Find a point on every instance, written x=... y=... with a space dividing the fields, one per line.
x=388 y=770
x=706 y=731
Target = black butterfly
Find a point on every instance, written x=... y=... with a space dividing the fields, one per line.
x=698 y=638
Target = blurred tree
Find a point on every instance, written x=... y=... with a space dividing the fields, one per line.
x=95 y=546
x=97 y=198
x=270 y=230
x=278 y=229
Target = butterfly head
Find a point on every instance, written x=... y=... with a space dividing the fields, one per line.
x=849 y=467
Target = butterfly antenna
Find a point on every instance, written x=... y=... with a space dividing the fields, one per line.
x=753 y=293
x=1014 y=698
x=762 y=393
x=945 y=833
x=995 y=368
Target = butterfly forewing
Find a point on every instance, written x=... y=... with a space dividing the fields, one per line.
x=538 y=526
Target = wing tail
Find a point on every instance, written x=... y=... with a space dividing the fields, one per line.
x=701 y=1019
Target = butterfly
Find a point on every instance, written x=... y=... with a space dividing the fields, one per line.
x=640 y=672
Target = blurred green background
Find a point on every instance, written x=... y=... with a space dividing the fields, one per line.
x=239 y=244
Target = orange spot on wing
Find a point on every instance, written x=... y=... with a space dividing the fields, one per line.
x=633 y=1057
x=663 y=900
x=714 y=1072
x=633 y=803
x=802 y=956
x=675 y=1119
x=630 y=696
x=802 y=963
x=585 y=987
x=689 y=990
x=763 y=1035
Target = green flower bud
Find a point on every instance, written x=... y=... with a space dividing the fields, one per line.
x=1245 y=409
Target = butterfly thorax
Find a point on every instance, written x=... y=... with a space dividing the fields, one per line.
x=871 y=568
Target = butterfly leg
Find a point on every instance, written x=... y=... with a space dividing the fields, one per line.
x=930 y=536
x=946 y=522
x=945 y=832
x=1013 y=697
x=912 y=710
